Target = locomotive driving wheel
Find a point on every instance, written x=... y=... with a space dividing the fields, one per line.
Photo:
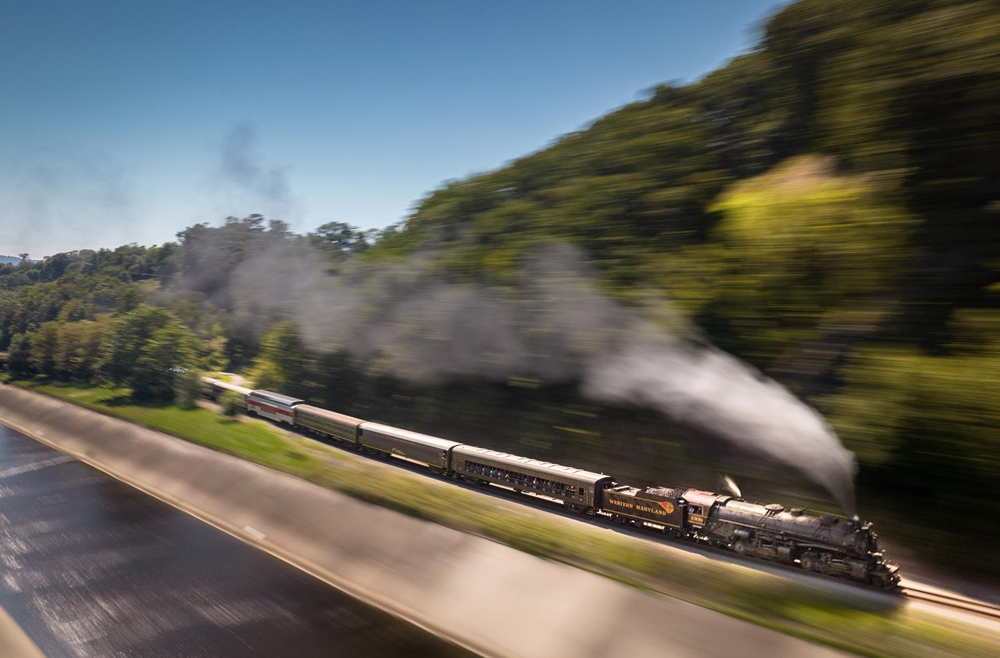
x=741 y=548
x=810 y=561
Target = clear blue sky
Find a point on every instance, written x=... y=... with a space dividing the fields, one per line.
x=127 y=121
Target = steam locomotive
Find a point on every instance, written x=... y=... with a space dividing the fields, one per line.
x=823 y=544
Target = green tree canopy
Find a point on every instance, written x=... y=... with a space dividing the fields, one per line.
x=144 y=350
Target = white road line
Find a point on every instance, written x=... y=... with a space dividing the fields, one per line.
x=35 y=466
x=254 y=532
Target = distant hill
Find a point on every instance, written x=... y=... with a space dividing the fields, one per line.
x=9 y=259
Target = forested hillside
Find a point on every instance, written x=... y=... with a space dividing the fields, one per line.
x=825 y=207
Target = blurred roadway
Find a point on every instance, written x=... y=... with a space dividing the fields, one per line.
x=92 y=567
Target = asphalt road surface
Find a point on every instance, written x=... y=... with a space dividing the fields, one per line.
x=91 y=567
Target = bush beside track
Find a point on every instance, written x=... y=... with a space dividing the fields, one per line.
x=869 y=625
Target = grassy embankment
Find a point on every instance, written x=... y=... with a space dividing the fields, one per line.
x=846 y=622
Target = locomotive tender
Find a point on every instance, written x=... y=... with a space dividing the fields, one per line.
x=820 y=543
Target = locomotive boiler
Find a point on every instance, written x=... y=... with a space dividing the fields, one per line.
x=821 y=543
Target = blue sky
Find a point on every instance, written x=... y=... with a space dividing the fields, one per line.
x=127 y=121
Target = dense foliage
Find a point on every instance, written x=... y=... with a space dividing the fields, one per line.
x=824 y=206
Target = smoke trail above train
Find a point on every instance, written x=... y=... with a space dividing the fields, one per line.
x=554 y=324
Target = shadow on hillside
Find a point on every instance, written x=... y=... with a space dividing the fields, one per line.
x=125 y=399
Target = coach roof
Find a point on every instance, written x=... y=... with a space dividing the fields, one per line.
x=407 y=435
x=532 y=464
x=276 y=397
x=327 y=414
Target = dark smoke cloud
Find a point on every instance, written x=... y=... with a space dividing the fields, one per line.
x=241 y=165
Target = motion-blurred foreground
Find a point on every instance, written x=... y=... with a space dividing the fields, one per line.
x=94 y=567
x=651 y=296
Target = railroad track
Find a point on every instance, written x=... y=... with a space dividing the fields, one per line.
x=951 y=601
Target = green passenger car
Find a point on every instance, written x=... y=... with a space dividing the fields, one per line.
x=327 y=423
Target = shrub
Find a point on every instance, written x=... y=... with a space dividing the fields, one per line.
x=231 y=403
x=187 y=388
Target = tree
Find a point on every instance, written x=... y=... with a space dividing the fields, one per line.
x=339 y=238
x=128 y=335
x=79 y=349
x=806 y=251
x=74 y=310
x=18 y=358
x=168 y=349
x=144 y=348
x=44 y=346
x=232 y=403
x=128 y=300
x=281 y=364
x=188 y=388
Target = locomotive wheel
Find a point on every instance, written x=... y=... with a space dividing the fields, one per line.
x=741 y=548
x=809 y=562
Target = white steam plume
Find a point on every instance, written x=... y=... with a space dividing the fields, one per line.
x=732 y=486
x=711 y=389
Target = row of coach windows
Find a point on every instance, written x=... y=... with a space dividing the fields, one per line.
x=522 y=480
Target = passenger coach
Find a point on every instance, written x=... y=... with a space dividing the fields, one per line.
x=328 y=423
x=421 y=448
x=273 y=405
x=216 y=387
x=578 y=489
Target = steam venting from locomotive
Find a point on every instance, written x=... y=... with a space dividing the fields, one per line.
x=714 y=390
x=554 y=325
x=732 y=486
